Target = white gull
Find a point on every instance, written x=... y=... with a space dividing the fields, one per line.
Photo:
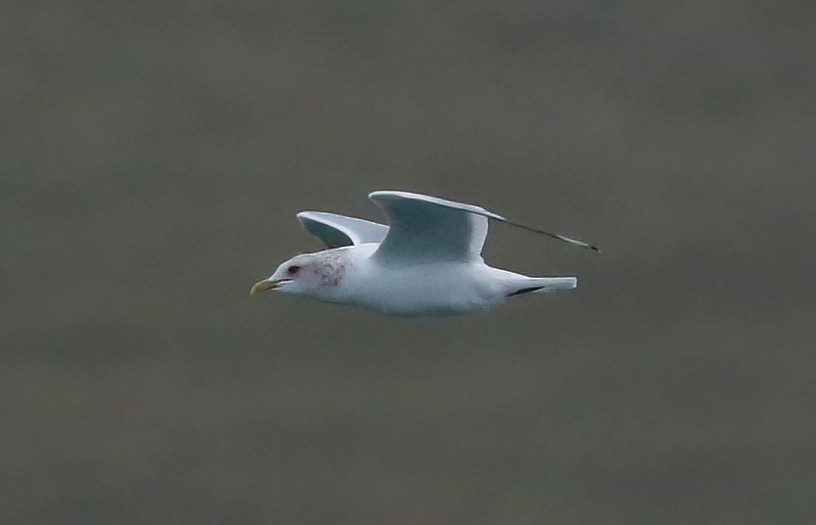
x=426 y=262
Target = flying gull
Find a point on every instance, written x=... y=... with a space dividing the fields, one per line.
x=426 y=262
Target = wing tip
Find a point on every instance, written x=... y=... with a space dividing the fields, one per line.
x=307 y=218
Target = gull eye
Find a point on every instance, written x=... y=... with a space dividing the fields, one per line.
x=293 y=270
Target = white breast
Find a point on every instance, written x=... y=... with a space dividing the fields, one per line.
x=427 y=289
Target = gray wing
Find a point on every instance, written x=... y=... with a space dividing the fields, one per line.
x=426 y=229
x=338 y=230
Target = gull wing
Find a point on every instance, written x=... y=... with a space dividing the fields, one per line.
x=426 y=229
x=338 y=230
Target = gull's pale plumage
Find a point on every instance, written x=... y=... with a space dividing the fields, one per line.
x=427 y=261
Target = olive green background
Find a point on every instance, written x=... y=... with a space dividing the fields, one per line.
x=153 y=156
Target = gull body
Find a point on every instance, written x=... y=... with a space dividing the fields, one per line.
x=427 y=262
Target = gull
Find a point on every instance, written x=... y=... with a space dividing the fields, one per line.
x=426 y=262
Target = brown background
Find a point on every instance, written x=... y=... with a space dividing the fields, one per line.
x=152 y=158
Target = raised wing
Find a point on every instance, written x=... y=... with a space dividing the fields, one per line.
x=428 y=229
x=338 y=230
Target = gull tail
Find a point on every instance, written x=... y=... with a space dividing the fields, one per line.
x=542 y=284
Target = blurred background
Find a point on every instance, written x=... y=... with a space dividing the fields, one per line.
x=153 y=156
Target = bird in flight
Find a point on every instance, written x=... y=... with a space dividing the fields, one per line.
x=426 y=262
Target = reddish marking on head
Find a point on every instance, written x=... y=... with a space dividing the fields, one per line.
x=331 y=270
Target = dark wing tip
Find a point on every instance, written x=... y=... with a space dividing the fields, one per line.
x=525 y=290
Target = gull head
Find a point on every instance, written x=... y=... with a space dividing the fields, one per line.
x=310 y=274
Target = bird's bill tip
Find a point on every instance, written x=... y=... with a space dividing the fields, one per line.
x=264 y=285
